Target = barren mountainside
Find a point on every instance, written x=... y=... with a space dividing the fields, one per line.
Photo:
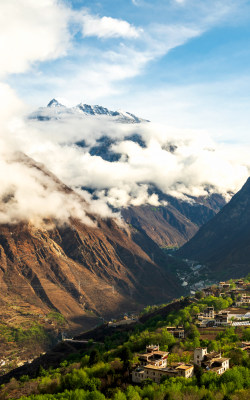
x=78 y=269
x=175 y=223
x=224 y=242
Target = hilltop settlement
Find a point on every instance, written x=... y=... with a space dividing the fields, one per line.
x=192 y=348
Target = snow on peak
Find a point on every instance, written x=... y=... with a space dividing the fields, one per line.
x=55 y=103
x=56 y=110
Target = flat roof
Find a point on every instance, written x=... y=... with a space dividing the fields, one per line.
x=150 y=366
x=158 y=353
x=185 y=367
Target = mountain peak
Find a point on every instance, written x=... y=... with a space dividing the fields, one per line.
x=56 y=110
x=54 y=103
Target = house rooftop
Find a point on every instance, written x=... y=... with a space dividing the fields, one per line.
x=161 y=353
x=184 y=366
x=222 y=359
x=150 y=366
x=139 y=369
x=214 y=354
x=154 y=353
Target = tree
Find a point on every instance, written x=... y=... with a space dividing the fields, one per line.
x=94 y=357
x=246 y=334
x=126 y=356
x=195 y=310
x=84 y=361
x=199 y=295
x=119 y=396
x=207 y=396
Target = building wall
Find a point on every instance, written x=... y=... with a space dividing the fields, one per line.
x=137 y=377
x=225 y=365
x=156 y=375
x=186 y=373
x=199 y=354
x=153 y=374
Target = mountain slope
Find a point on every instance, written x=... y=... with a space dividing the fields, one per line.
x=74 y=268
x=224 y=242
x=176 y=222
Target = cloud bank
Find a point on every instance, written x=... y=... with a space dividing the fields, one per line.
x=28 y=193
x=177 y=163
x=31 y=31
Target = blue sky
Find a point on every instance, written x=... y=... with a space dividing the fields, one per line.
x=183 y=63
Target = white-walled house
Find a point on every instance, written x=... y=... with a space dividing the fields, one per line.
x=210 y=361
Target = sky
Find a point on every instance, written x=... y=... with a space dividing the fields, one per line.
x=181 y=63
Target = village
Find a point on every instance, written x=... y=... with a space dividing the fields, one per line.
x=194 y=343
x=153 y=364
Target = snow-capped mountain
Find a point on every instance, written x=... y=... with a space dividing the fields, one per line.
x=156 y=182
x=56 y=110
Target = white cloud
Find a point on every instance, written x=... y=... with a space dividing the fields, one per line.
x=27 y=190
x=197 y=163
x=97 y=73
x=107 y=27
x=220 y=108
x=31 y=31
x=29 y=193
x=101 y=73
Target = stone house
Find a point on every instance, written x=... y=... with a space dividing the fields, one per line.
x=153 y=356
x=156 y=373
x=222 y=318
x=210 y=361
x=153 y=365
x=244 y=300
x=177 y=331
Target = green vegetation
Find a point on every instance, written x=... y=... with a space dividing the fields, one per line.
x=102 y=380
x=57 y=317
x=102 y=371
x=34 y=334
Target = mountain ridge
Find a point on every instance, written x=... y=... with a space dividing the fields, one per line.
x=55 y=110
x=223 y=242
